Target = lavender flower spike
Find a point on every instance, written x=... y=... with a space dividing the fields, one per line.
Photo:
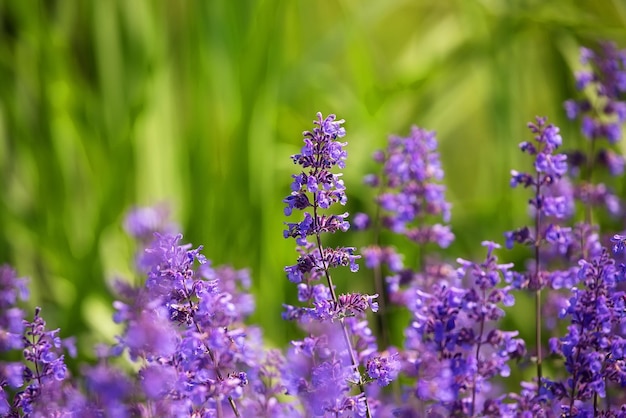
x=313 y=190
x=604 y=79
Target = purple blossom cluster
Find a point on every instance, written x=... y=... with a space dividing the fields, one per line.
x=547 y=202
x=602 y=112
x=554 y=242
x=184 y=334
x=186 y=327
x=592 y=348
x=187 y=349
x=12 y=289
x=332 y=357
x=570 y=262
x=410 y=189
x=453 y=347
x=37 y=385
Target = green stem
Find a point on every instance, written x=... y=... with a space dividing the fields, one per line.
x=538 y=284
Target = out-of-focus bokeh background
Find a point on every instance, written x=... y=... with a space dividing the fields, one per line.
x=109 y=104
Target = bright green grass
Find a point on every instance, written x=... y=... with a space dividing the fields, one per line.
x=107 y=104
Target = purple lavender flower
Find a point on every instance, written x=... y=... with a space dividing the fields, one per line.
x=410 y=199
x=602 y=111
x=375 y=256
x=551 y=204
x=410 y=190
x=531 y=401
x=361 y=221
x=592 y=350
x=37 y=385
x=604 y=78
x=552 y=200
x=266 y=386
x=43 y=392
x=598 y=195
x=186 y=326
x=12 y=289
x=383 y=369
x=450 y=338
x=110 y=388
x=316 y=187
x=323 y=383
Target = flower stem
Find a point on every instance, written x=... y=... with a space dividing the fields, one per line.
x=480 y=340
x=538 y=284
x=538 y=337
x=381 y=318
x=344 y=328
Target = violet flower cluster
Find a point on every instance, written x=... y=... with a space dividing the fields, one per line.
x=410 y=189
x=12 y=289
x=37 y=385
x=555 y=243
x=602 y=112
x=186 y=326
x=453 y=346
x=183 y=330
x=592 y=348
x=453 y=349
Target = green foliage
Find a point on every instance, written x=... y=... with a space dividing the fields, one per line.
x=107 y=104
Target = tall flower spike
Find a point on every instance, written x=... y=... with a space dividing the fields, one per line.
x=602 y=112
x=410 y=202
x=411 y=190
x=550 y=202
x=42 y=394
x=604 y=79
x=314 y=189
x=547 y=206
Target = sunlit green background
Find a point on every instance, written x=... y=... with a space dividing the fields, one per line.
x=108 y=104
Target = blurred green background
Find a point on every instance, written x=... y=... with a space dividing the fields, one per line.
x=109 y=104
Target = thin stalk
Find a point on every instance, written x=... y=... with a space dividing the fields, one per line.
x=480 y=340
x=587 y=181
x=538 y=284
x=576 y=374
x=538 y=336
x=575 y=377
x=381 y=317
x=607 y=398
x=344 y=328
